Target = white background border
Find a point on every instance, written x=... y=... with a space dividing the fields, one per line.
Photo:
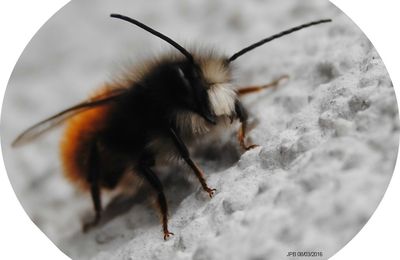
x=21 y=239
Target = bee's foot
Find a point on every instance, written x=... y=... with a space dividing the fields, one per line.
x=89 y=225
x=210 y=191
x=250 y=147
x=167 y=234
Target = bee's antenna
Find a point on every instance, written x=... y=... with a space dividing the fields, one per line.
x=273 y=37
x=154 y=32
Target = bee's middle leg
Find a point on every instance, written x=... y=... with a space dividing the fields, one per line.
x=146 y=171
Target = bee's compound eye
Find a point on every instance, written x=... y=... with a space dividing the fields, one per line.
x=181 y=74
x=196 y=73
x=183 y=77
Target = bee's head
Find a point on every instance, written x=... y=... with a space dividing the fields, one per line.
x=204 y=87
x=191 y=91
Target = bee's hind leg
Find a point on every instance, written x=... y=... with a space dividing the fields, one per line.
x=252 y=89
x=94 y=187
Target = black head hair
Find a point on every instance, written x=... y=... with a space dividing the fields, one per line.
x=178 y=85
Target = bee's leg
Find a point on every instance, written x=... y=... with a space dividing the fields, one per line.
x=241 y=113
x=180 y=145
x=93 y=179
x=145 y=170
x=251 y=89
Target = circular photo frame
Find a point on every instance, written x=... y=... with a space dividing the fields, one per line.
x=200 y=130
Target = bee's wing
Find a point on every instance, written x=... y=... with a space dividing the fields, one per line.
x=43 y=126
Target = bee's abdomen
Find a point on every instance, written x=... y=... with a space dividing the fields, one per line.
x=80 y=133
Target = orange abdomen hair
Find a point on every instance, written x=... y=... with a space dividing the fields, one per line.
x=78 y=137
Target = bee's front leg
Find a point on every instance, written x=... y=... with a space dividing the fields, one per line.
x=180 y=145
x=241 y=114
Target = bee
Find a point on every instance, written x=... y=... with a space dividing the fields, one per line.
x=151 y=116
